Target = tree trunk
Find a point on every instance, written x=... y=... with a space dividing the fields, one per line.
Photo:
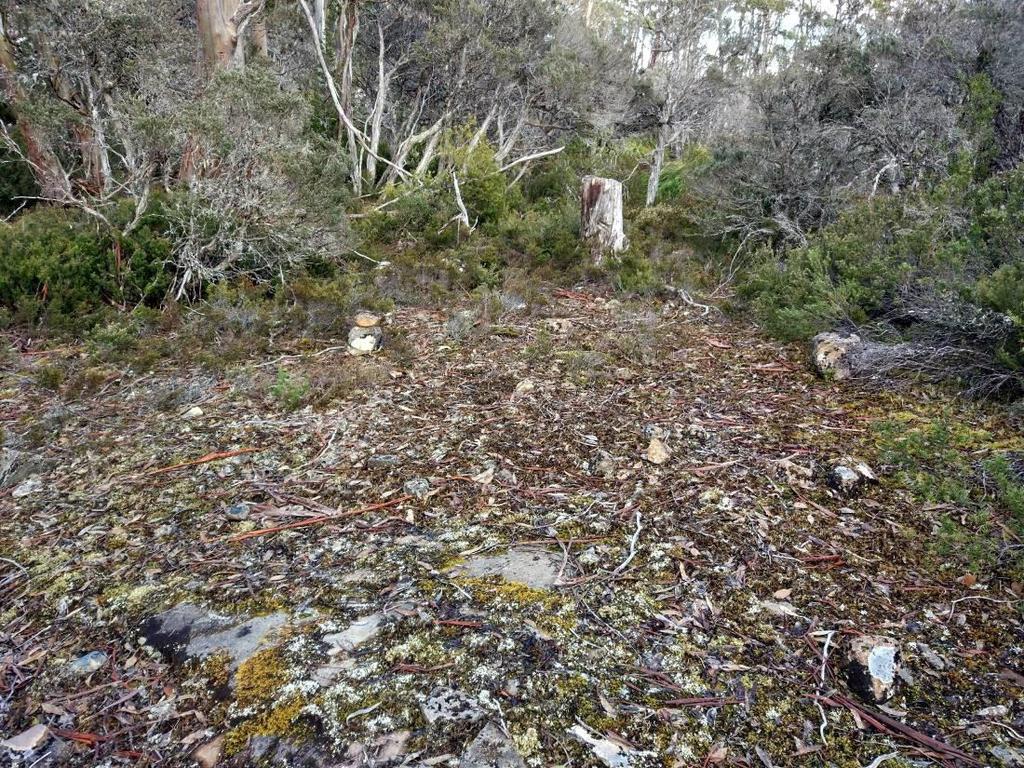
x=602 y=216
x=218 y=34
x=46 y=166
x=657 y=161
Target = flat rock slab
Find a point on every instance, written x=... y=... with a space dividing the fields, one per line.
x=189 y=632
x=536 y=568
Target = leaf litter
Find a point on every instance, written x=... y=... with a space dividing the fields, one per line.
x=623 y=548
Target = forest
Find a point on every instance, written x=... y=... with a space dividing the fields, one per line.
x=512 y=383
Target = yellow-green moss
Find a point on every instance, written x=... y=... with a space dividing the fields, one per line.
x=281 y=720
x=259 y=678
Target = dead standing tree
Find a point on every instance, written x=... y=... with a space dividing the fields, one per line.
x=601 y=224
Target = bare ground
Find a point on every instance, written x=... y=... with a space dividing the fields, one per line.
x=701 y=609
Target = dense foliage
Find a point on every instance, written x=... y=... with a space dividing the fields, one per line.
x=824 y=167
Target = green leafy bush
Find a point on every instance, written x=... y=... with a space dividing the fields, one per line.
x=65 y=268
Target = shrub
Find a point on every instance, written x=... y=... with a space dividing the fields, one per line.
x=65 y=268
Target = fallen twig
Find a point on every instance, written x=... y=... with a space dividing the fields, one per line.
x=886 y=724
x=215 y=456
x=318 y=520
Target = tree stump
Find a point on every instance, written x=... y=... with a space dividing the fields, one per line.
x=602 y=216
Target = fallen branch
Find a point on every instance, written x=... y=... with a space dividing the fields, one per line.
x=318 y=520
x=216 y=456
x=886 y=724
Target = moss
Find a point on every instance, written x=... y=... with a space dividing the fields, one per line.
x=281 y=720
x=260 y=677
x=550 y=611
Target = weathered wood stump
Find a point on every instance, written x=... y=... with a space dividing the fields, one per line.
x=602 y=216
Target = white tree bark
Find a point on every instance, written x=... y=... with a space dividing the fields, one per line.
x=601 y=222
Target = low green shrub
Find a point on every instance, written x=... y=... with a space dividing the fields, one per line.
x=64 y=268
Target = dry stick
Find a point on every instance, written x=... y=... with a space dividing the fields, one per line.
x=216 y=456
x=884 y=724
x=318 y=520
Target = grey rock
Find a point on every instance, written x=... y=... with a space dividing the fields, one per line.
x=929 y=655
x=872 y=667
x=383 y=460
x=27 y=487
x=418 y=487
x=461 y=324
x=491 y=749
x=87 y=664
x=237 y=512
x=17 y=466
x=361 y=631
x=536 y=568
x=835 y=354
x=612 y=754
x=363 y=341
x=1010 y=757
x=448 y=705
x=27 y=741
x=850 y=474
x=189 y=632
x=559 y=326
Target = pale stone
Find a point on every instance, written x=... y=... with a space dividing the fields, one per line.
x=27 y=741
x=208 y=755
x=873 y=665
x=657 y=451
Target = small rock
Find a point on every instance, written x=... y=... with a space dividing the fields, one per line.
x=657 y=452
x=834 y=354
x=383 y=460
x=187 y=632
x=1011 y=757
x=491 y=749
x=418 y=487
x=367 y=320
x=448 y=705
x=390 y=746
x=1000 y=710
x=193 y=413
x=27 y=741
x=849 y=474
x=208 y=755
x=363 y=341
x=87 y=664
x=237 y=513
x=933 y=659
x=611 y=754
x=361 y=631
x=524 y=387
x=873 y=664
x=461 y=324
x=605 y=467
x=558 y=325
x=27 y=488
